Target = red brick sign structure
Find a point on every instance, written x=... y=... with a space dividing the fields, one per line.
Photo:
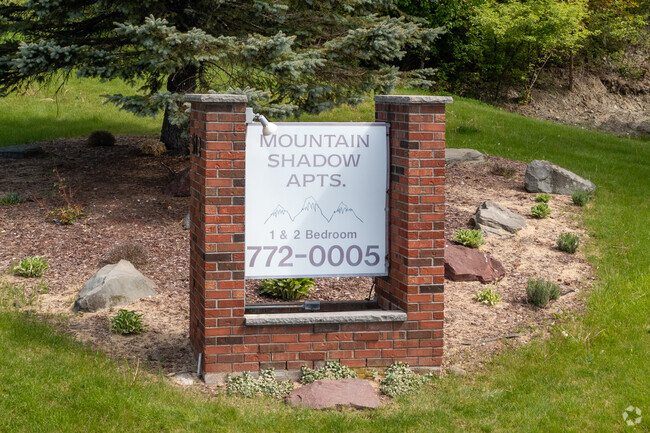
x=405 y=320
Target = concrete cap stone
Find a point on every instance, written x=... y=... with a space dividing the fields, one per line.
x=215 y=98
x=413 y=99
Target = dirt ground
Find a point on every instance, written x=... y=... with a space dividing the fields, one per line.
x=606 y=102
x=122 y=192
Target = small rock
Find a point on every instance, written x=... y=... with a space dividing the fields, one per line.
x=457 y=371
x=179 y=185
x=186 y=221
x=20 y=151
x=114 y=285
x=543 y=176
x=327 y=393
x=495 y=219
x=467 y=264
x=184 y=378
x=458 y=156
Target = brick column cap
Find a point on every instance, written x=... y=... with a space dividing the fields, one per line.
x=413 y=99
x=214 y=98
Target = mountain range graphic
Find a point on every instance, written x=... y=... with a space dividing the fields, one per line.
x=310 y=207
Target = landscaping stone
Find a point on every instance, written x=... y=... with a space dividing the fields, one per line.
x=186 y=221
x=458 y=156
x=454 y=370
x=184 y=378
x=467 y=264
x=543 y=176
x=114 y=285
x=495 y=219
x=179 y=185
x=20 y=151
x=327 y=393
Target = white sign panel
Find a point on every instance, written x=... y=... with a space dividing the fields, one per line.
x=316 y=200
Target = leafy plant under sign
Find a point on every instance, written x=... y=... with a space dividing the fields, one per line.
x=287 y=288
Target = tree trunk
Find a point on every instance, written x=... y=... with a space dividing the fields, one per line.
x=183 y=81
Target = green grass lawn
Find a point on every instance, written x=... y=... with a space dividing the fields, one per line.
x=576 y=383
x=76 y=111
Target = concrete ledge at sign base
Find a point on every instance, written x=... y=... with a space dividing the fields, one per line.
x=214 y=97
x=330 y=317
x=413 y=99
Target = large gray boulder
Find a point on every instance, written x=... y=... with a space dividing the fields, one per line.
x=495 y=219
x=457 y=156
x=543 y=176
x=466 y=264
x=327 y=393
x=114 y=285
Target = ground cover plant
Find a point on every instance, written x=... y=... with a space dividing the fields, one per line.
x=10 y=198
x=469 y=238
x=580 y=198
x=488 y=296
x=568 y=242
x=331 y=370
x=287 y=288
x=54 y=384
x=540 y=210
x=540 y=292
x=265 y=383
x=30 y=267
x=543 y=197
x=127 y=322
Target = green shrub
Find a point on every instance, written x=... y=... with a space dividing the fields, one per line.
x=265 y=384
x=399 y=379
x=331 y=370
x=10 y=199
x=540 y=210
x=469 y=238
x=568 y=242
x=540 y=292
x=287 y=288
x=488 y=296
x=127 y=322
x=542 y=197
x=31 y=267
x=580 y=198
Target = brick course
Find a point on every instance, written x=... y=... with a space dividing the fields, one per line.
x=416 y=250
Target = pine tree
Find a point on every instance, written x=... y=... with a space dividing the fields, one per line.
x=287 y=56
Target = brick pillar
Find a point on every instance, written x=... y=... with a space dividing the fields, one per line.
x=415 y=283
x=217 y=149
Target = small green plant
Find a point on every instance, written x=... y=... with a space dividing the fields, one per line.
x=540 y=210
x=71 y=211
x=540 y=292
x=30 y=267
x=331 y=370
x=127 y=322
x=265 y=384
x=488 y=296
x=10 y=198
x=66 y=215
x=542 y=197
x=399 y=379
x=580 y=198
x=287 y=288
x=568 y=242
x=469 y=238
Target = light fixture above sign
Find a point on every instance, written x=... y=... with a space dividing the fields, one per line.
x=268 y=128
